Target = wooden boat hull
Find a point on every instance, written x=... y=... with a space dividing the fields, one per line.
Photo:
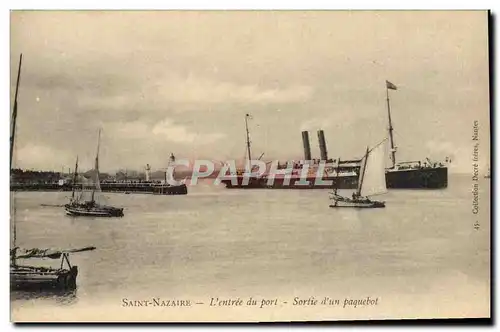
x=31 y=278
x=354 y=203
x=78 y=211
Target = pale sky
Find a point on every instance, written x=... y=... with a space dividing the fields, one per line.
x=164 y=81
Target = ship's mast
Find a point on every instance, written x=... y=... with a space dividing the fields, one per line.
x=393 y=150
x=74 y=179
x=248 y=140
x=97 y=185
x=12 y=139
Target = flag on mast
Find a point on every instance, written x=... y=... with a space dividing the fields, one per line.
x=390 y=85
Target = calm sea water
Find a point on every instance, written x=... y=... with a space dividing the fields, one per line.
x=420 y=256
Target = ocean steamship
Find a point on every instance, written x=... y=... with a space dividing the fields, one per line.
x=340 y=174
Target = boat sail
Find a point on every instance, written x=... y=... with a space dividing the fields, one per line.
x=79 y=206
x=371 y=181
x=27 y=277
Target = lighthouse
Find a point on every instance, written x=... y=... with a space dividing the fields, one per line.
x=148 y=172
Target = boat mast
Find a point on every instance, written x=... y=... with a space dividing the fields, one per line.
x=14 y=111
x=74 y=179
x=248 y=140
x=393 y=150
x=362 y=173
x=12 y=139
x=97 y=185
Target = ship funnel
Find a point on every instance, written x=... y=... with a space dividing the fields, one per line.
x=307 y=146
x=322 y=145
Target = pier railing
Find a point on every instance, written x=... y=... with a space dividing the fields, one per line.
x=149 y=187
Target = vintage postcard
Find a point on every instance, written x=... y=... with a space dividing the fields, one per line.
x=249 y=166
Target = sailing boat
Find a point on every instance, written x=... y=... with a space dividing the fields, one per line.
x=91 y=208
x=371 y=181
x=27 y=277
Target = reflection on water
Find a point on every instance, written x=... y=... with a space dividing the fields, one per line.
x=56 y=296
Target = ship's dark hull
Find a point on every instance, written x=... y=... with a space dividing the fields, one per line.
x=346 y=182
x=422 y=178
